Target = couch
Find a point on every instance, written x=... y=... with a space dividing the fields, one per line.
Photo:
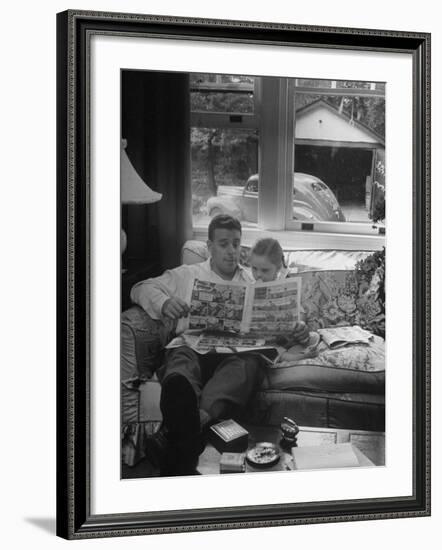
x=342 y=388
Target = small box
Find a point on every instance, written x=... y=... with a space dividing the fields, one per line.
x=228 y=436
x=232 y=463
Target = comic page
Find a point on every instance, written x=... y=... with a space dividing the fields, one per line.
x=275 y=307
x=255 y=311
x=217 y=307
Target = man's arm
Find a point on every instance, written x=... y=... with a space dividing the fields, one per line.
x=163 y=296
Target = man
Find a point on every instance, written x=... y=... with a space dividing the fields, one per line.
x=196 y=389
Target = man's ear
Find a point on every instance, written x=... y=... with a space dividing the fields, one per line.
x=209 y=246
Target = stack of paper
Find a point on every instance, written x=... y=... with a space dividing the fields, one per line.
x=338 y=337
x=341 y=455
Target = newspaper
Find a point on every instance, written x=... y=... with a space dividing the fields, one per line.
x=239 y=317
x=273 y=308
x=203 y=343
x=259 y=309
x=338 y=337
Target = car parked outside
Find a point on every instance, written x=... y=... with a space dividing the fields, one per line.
x=313 y=200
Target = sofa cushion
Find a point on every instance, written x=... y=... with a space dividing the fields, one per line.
x=142 y=344
x=135 y=344
x=141 y=400
x=310 y=260
x=339 y=298
x=357 y=357
x=297 y=260
x=320 y=378
x=194 y=252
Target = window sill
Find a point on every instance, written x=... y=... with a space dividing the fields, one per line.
x=302 y=240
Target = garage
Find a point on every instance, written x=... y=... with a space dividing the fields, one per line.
x=342 y=152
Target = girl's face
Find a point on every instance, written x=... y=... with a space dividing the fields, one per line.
x=263 y=269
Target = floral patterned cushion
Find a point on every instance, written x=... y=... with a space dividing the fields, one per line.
x=355 y=357
x=340 y=298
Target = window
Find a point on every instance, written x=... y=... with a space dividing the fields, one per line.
x=338 y=139
x=224 y=143
x=288 y=155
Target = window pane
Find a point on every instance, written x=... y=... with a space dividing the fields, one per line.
x=313 y=83
x=222 y=162
x=339 y=142
x=237 y=79
x=203 y=78
x=222 y=102
x=221 y=93
x=352 y=84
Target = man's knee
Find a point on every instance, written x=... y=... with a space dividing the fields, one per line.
x=182 y=360
x=183 y=353
x=245 y=369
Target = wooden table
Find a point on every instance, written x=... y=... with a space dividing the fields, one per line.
x=369 y=446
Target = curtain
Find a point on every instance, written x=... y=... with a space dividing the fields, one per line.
x=156 y=124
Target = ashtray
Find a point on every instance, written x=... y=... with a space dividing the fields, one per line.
x=263 y=454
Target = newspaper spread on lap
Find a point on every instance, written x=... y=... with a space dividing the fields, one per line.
x=234 y=317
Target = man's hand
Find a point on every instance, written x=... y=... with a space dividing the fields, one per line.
x=301 y=333
x=175 y=308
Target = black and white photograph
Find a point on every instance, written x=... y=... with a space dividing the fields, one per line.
x=231 y=179
x=240 y=289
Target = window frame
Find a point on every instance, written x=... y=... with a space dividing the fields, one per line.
x=274 y=114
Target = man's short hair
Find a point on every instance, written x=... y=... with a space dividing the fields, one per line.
x=223 y=221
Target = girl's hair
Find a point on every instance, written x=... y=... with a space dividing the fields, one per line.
x=271 y=249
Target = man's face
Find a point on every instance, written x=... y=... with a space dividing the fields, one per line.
x=225 y=250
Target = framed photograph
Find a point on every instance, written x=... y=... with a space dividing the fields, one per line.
x=230 y=298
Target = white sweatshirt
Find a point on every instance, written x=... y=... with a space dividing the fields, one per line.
x=178 y=282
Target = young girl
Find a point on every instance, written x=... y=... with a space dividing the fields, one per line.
x=267 y=264
x=267 y=261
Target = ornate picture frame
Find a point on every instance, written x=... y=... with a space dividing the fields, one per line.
x=76 y=218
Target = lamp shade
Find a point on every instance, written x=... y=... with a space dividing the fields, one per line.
x=133 y=189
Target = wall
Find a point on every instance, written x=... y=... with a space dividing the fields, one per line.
x=28 y=273
x=323 y=124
